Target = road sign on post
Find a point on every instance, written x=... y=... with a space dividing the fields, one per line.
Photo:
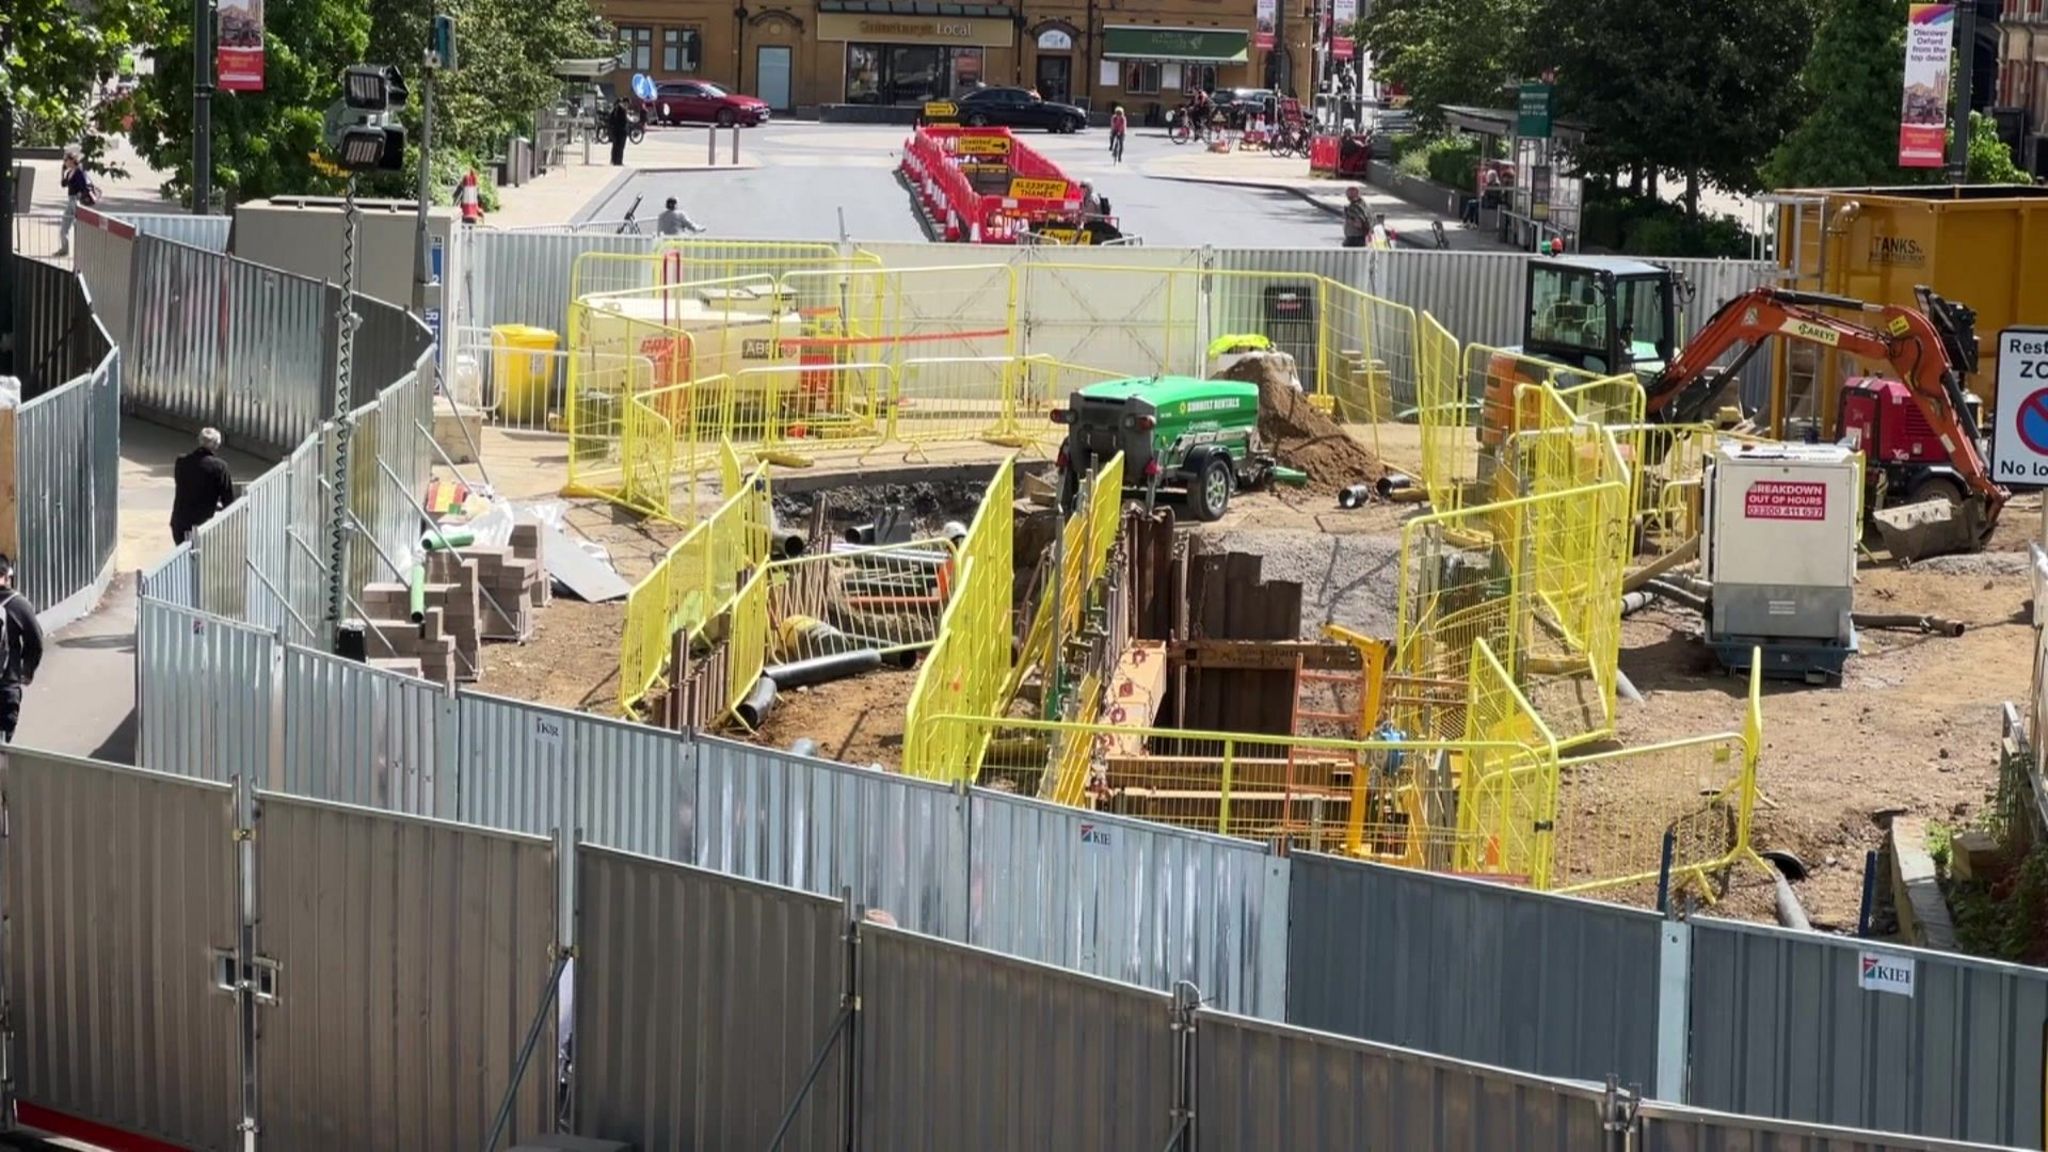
x=1532 y=111
x=2019 y=434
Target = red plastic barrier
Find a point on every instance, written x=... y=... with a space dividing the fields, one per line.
x=932 y=159
x=1322 y=154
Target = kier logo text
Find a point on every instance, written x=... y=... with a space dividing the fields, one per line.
x=1879 y=972
x=1094 y=834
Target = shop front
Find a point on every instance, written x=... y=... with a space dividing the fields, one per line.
x=1150 y=69
x=902 y=58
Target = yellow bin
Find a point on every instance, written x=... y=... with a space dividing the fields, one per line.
x=523 y=369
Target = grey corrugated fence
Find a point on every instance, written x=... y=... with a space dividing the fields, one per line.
x=1833 y=1031
x=67 y=444
x=204 y=694
x=1473 y=970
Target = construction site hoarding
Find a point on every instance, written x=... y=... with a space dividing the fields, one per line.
x=1978 y=246
x=1472 y=970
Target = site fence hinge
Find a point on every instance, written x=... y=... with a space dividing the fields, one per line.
x=1544 y=826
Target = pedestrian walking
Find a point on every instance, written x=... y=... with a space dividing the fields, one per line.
x=200 y=486
x=673 y=221
x=79 y=192
x=619 y=122
x=1356 y=222
x=1118 y=125
x=23 y=652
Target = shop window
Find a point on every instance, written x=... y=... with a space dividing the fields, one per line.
x=636 y=48
x=681 y=49
x=864 y=74
x=1198 y=76
x=1141 y=78
x=909 y=73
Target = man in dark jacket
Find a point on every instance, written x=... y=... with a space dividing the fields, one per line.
x=618 y=123
x=201 y=486
x=23 y=652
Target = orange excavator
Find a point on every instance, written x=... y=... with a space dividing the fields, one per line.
x=1918 y=432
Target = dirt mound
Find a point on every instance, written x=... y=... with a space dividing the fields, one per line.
x=1300 y=436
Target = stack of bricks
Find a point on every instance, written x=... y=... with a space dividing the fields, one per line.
x=463 y=619
x=509 y=585
x=526 y=545
x=431 y=649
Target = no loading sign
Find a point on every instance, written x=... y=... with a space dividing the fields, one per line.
x=2019 y=431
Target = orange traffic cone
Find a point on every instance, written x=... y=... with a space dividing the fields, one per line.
x=472 y=204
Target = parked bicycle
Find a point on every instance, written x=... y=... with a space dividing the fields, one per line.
x=634 y=135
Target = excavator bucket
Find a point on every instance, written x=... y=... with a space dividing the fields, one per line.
x=1935 y=527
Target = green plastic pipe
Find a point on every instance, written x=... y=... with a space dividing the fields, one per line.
x=447 y=539
x=419 y=593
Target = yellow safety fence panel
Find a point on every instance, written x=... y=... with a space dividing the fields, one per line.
x=1087 y=538
x=695 y=582
x=1615 y=810
x=1387 y=800
x=888 y=597
x=1510 y=786
x=746 y=639
x=1449 y=452
x=686 y=261
x=965 y=670
x=1370 y=363
x=1535 y=578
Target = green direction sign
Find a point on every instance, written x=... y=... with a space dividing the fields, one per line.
x=1532 y=111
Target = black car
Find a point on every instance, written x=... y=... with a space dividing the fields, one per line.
x=1239 y=106
x=1018 y=108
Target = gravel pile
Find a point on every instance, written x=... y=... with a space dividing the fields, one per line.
x=1978 y=564
x=1350 y=580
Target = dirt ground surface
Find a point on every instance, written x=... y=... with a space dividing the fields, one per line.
x=856 y=721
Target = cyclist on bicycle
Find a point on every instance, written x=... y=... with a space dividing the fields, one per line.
x=1200 y=111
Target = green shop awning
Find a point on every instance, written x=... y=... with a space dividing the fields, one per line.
x=1194 y=45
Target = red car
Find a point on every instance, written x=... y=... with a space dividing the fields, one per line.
x=683 y=101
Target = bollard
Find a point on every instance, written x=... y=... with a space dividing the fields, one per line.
x=711 y=140
x=735 y=145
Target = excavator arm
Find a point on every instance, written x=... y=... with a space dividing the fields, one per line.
x=1928 y=349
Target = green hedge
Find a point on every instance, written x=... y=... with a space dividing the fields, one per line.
x=1640 y=226
x=1448 y=160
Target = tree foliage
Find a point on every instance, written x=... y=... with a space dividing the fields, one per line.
x=263 y=143
x=1704 y=89
x=52 y=61
x=1444 y=52
x=1848 y=134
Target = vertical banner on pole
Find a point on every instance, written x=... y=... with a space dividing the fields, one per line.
x=1263 y=37
x=1923 y=117
x=1345 y=15
x=238 y=60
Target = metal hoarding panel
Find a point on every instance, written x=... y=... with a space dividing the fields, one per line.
x=524 y=277
x=360 y=735
x=119 y=885
x=283 y=583
x=389 y=344
x=1125 y=311
x=961 y=1048
x=389 y=466
x=276 y=381
x=412 y=957
x=204 y=694
x=1129 y=900
x=175 y=346
x=56 y=339
x=900 y=844
x=1263 y=1085
x=1787 y=1025
x=67 y=450
x=1671 y=1128
x=105 y=259
x=1473 y=970
x=522 y=766
x=701 y=1002
x=220 y=548
x=209 y=233
x=175 y=579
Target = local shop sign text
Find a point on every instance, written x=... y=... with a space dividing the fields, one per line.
x=934 y=29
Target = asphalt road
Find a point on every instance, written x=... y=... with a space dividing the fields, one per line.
x=813 y=174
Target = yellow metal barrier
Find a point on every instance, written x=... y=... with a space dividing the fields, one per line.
x=1086 y=540
x=746 y=640
x=1511 y=786
x=693 y=584
x=1370 y=360
x=890 y=598
x=686 y=261
x=1615 y=809
x=965 y=670
x=1449 y=450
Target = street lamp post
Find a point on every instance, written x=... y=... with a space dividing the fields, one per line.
x=202 y=107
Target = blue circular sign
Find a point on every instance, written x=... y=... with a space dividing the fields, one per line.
x=642 y=86
x=2033 y=422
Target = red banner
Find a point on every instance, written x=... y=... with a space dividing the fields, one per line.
x=1346 y=18
x=1268 y=12
x=238 y=55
